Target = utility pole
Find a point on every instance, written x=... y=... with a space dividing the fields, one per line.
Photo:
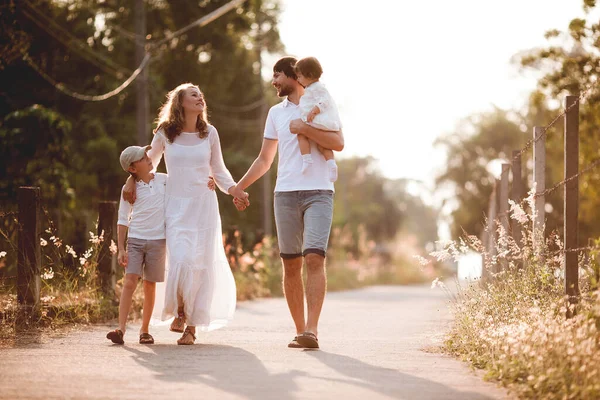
x=267 y=192
x=142 y=103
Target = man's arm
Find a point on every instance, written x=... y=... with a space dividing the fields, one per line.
x=327 y=139
x=261 y=165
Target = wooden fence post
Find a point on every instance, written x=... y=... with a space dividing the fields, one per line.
x=571 y=198
x=29 y=259
x=517 y=194
x=488 y=237
x=539 y=179
x=503 y=206
x=107 y=223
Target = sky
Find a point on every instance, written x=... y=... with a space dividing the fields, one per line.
x=405 y=72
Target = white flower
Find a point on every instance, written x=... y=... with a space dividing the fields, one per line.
x=82 y=260
x=517 y=213
x=2 y=254
x=437 y=282
x=71 y=251
x=113 y=247
x=47 y=299
x=94 y=239
x=48 y=274
x=422 y=260
x=43 y=242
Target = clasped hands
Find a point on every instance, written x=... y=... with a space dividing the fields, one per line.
x=240 y=198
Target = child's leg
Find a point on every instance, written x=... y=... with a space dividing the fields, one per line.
x=327 y=153
x=331 y=165
x=129 y=284
x=149 y=294
x=304 y=145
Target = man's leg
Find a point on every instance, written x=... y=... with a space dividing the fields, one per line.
x=316 y=287
x=288 y=219
x=318 y=215
x=293 y=289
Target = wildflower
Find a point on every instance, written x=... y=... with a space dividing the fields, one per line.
x=48 y=274
x=113 y=247
x=2 y=254
x=517 y=213
x=47 y=299
x=43 y=242
x=422 y=260
x=438 y=283
x=93 y=238
x=71 y=251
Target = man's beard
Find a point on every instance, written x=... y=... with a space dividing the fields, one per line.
x=284 y=91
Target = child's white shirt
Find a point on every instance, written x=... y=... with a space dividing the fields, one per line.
x=316 y=94
x=146 y=217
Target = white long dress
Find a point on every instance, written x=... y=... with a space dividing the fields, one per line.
x=197 y=268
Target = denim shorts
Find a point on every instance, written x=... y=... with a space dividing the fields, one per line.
x=303 y=220
x=147 y=258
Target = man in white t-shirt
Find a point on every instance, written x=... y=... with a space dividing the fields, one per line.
x=303 y=202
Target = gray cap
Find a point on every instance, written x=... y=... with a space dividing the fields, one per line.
x=132 y=154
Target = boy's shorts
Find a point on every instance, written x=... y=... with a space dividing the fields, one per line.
x=147 y=258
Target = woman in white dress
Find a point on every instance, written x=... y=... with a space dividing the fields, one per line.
x=199 y=286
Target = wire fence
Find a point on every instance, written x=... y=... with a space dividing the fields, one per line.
x=499 y=202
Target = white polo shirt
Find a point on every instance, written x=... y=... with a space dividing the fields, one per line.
x=146 y=217
x=289 y=172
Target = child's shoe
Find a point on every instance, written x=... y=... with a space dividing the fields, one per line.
x=333 y=170
x=116 y=336
x=306 y=162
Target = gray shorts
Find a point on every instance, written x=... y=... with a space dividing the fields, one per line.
x=147 y=258
x=303 y=220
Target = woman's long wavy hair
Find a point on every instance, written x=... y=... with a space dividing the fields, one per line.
x=171 y=115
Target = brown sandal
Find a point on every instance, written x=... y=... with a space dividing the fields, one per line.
x=308 y=340
x=178 y=323
x=294 y=343
x=116 y=336
x=188 y=337
x=146 y=338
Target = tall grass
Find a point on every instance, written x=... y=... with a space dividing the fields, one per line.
x=514 y=325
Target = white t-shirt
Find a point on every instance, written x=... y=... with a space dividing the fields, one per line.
x=316 y=94
x=289 y=172
x=146 y=217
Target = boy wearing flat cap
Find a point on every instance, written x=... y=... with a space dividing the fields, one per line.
x=145 y=254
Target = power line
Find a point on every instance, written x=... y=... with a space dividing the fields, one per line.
x=86 y=97
x=208 y=18
x=72 y=40
x=203 y=21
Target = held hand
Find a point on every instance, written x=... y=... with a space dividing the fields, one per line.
x=313 y=113
x=296 y=126
x=129 y=190
x=237 y=191
x=241 y=204
x=122 y=257
x=211 y=183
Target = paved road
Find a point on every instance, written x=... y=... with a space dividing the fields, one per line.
x=372 y=347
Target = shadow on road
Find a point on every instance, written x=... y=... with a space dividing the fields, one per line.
x=226 y=368
x=387 y=381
